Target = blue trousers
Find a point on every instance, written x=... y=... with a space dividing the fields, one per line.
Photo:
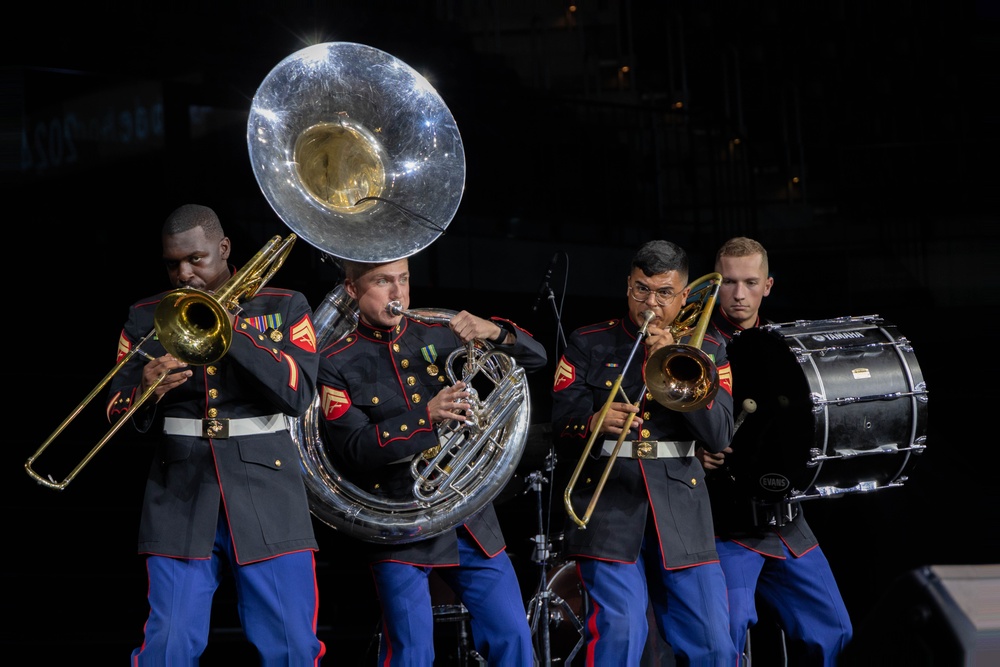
x=802 y=592
x=689 y=605
x=277 y=601
x=488 y=589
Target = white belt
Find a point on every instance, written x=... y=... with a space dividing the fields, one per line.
x=650 y=449
x=224 y=428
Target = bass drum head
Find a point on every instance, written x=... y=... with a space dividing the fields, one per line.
x=841 y=407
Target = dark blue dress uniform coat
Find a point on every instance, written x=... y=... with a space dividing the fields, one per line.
x=672 y=488
x=270 y=368
x=374 y=388
x=733 y=511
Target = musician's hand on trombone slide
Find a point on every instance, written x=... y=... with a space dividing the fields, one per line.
x=616 y=417
x=172 y=370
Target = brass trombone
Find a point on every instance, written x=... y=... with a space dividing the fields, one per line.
x=193 y=326
x=680 y=377
x=647 y=317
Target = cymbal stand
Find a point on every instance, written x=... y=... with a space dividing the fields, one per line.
x=539 y=606
x=539 y=609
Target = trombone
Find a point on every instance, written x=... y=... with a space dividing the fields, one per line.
x=647 y=317
x=680 y=377
x=193 y=326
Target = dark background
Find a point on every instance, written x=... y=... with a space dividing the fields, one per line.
x=857 y=141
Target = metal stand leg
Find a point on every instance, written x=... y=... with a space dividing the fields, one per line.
x=539 y=606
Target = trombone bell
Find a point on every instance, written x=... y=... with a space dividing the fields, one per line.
x=681 y=377
x=193 y=326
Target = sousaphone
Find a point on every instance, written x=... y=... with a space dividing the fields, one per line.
x=357 y=153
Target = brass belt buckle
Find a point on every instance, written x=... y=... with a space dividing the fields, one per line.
x=645 y=450
x=215 y=428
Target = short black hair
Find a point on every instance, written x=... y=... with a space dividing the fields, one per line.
x=655 y=257
x=189 y=216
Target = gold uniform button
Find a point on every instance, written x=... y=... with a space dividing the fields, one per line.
x=385 y=434
x=277 y=463
x=243 y=325
x=440 y=378
x=213 y=393
x=213 y=412
x=350 y=339
x=645 y=415
x=694 y=482
x=395 y=347
x=404 y=428
x=211 y=370
x=374 y=400
x=416 y=398
x=260 y=336
x=398 y=328
x=411 y=380
x=405 y=363
x=422 y=422
x=645 y=433
x=608 y=383
x=649 y=395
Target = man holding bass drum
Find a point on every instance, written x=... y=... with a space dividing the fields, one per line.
x=774 y=559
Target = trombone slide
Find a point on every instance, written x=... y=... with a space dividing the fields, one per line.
x=648 y=316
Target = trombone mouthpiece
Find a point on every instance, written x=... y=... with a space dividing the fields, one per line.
x=647 y=317
x=394 y=308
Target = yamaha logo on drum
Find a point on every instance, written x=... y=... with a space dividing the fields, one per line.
x=773 y=481
x=838 y=335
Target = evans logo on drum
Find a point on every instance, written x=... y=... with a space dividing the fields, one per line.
x=773 y=481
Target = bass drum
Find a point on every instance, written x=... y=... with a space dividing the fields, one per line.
x=841 y=407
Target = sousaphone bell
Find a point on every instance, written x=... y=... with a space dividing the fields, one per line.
x=356 y=152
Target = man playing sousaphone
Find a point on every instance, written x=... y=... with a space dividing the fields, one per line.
x=383 y=397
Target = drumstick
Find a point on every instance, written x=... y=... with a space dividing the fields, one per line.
x=749 y=407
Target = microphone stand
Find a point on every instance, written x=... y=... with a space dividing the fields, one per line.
x=551 y=298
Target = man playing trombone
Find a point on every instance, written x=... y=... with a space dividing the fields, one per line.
x=648 y=537
x=224 y=489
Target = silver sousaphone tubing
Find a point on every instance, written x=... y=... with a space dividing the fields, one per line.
x=356 y=152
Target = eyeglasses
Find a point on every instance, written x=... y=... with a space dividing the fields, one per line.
x=641 y=293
